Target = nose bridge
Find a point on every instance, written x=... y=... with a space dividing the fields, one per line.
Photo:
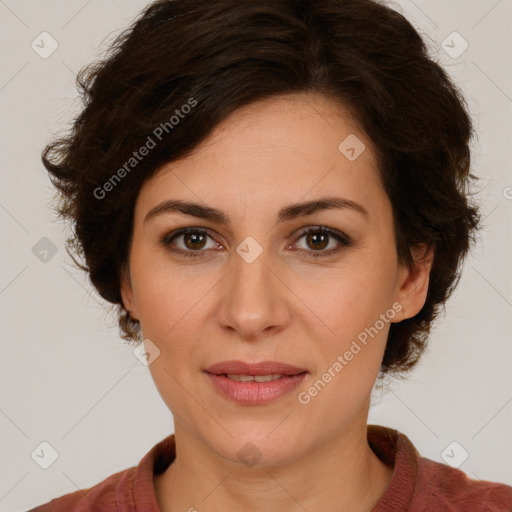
x=251 y=271
x=252 y=301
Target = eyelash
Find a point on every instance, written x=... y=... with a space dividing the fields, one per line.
x=343 y=240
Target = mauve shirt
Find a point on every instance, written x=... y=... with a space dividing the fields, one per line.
x=418 y=484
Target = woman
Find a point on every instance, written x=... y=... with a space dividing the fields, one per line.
x=274 y=195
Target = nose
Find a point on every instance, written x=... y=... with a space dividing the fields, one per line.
x=255 y=300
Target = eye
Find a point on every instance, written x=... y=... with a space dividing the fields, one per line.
x=193 y=242
x=319 y=237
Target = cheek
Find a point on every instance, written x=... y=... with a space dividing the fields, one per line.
x=348 y=299
x=169 y=297
x=351 y=315
x=172 y=309
x=349 y=352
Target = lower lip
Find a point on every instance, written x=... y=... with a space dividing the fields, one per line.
x=253 y=392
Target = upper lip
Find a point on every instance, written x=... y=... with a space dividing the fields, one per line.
x=261 y=368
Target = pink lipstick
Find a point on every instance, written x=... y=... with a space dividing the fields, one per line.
x=255 y=383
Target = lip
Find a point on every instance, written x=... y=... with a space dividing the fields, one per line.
x=261 y=368
x=255 y=393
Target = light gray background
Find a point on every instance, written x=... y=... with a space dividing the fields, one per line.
x=67 y=378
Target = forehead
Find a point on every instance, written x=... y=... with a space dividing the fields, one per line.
x=275 y=151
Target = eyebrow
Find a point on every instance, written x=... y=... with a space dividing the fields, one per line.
x=286 y=213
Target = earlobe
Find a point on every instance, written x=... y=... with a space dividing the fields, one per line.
x=414 y=281
x=127 y=293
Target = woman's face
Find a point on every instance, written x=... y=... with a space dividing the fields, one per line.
x=260 y=288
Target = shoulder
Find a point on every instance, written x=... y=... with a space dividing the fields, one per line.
x=420 y=484
x=129 y=489
x=102 y=497
x=450 y=489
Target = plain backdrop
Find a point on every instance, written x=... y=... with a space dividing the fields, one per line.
x=68 y=380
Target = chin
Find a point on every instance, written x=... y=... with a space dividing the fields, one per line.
x=262 y=448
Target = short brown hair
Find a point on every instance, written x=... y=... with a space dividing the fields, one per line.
x=219 y=55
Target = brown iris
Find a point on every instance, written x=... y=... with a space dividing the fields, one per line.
x=313 y=236
x=196 y=240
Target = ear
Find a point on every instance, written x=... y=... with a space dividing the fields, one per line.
x=414 y=280
x=127 y=292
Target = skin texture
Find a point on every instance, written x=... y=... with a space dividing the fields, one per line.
x=284 y=306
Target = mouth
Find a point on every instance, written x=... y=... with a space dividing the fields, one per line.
x=241 y=370
x=253 y=378
x=255 y=384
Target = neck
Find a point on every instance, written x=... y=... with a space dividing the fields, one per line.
x=344 y=470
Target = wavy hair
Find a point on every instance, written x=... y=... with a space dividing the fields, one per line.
x=225 y=54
